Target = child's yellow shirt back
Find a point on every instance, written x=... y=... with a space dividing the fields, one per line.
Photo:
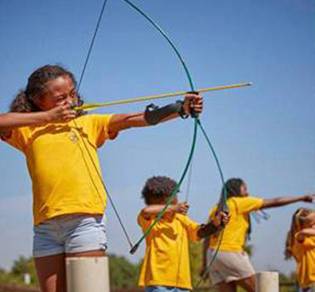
x=166 y=261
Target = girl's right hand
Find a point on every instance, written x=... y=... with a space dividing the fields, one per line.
x=308 y=198
x=181 y=208
x=63 y=112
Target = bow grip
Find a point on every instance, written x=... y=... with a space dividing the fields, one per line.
x=192 y=111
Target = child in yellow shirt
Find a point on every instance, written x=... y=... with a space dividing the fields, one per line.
x=231 y=267
x=166 y=264
x=60 y=147
x=300 y=244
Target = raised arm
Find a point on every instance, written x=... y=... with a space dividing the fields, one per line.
x=300 y=236
x=119 y=122
x=153 y=210
x=10 y=121
x=283 y=201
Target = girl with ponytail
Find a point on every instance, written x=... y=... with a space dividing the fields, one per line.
x=231 y=267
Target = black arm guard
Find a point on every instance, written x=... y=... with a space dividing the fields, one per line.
x=208 y=229
x=154 y=114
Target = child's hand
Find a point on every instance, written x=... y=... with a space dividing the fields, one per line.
x=221 y=219
x=308 y=198
x=193 y=103
x=63 y=112
x=181 y=208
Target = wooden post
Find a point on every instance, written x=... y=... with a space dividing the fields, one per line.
x=87 y=274
x=267 y=282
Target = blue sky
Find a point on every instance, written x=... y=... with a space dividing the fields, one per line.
x=264 y=134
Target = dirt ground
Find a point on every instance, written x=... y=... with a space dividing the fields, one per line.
x=15 y=288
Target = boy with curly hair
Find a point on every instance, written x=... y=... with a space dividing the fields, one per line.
x=166 y=265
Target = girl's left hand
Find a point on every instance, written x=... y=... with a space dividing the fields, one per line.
x=221 y=219
x=193 y=103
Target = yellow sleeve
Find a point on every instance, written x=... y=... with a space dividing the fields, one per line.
x=307 y=243
x=296 y=250
x=191 y=227
x=17 y=138
x=99 y=128
x=248 y=204
x=143 y=222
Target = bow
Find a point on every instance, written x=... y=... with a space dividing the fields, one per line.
x=196 y=121
x=197 y=124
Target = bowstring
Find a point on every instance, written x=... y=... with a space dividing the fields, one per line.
x=87 y=58
x=222 y=204
x=191 y=85
x=196 y=120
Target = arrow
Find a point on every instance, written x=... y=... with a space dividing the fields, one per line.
x=93 y=106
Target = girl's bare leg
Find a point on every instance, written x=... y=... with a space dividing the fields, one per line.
x=51 y=270
x=51 y=273
x=248 y=284
x=226 y=287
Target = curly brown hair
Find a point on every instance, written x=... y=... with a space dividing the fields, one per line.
x=157 y=188
x=24 y=101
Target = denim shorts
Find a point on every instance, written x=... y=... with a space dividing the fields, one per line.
x=164 y=289
x=69 y=234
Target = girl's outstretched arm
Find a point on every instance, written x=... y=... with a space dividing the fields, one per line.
x=10 y=121
x=283 y=201
x=119 y=122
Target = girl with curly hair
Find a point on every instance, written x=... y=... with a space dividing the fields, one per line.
x=60 y=147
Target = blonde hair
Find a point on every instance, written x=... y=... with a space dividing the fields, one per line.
x=298 y=220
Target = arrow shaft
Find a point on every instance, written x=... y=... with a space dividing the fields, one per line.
x=93 y=106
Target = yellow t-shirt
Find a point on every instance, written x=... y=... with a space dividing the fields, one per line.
x=166 y=261
x=304 y=254
x=234 y=235
x=64 y=180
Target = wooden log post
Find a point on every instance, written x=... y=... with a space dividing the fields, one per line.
x=87 y=274
x=267 y=282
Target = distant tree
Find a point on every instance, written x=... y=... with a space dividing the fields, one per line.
x=22 y=266
x=195 y=249
x=123 y=273
x=249 y=248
